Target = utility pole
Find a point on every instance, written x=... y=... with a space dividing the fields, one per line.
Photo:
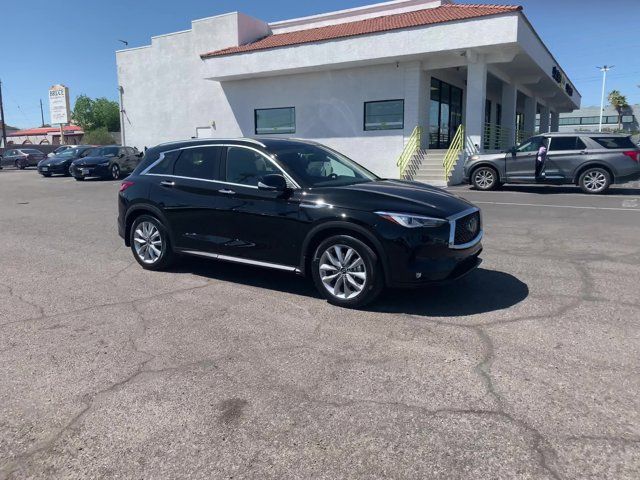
x=4 y=128
x=41 y=112
x=604 y=69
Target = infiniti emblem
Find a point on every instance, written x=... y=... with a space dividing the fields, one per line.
x=472 y=225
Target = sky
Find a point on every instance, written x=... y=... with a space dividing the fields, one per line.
x=74 y=42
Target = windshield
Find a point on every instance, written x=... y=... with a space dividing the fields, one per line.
x=103 y=152
x=70 y=152
x=317 y=166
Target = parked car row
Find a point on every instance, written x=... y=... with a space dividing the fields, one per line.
x=79 y=161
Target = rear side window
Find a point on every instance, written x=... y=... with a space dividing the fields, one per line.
x=566 y=143
x=165 y=166
x=612 y=143
x=202 y=163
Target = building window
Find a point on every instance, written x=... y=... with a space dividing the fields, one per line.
x=271 y=121
x=384 y=115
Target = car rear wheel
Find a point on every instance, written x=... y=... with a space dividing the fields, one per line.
x=595 y=180
x=347 y=272
x=485 y=178
x=150 y=243
x=115 y=171
x=20 y=165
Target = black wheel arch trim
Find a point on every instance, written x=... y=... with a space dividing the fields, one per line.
x=137 y=210
x=346 y=228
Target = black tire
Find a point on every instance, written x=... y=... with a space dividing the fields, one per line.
x=167 y=255
x=115 y=171
x=46 y=175
x=595 y=181
x=79 y=179
x=485 y=178
x=20 y=165
x=372 y=285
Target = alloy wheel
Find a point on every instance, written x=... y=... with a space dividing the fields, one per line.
x=115 y=172
x=484 y=178
x=343 y=272
x=594 y=181
x=148 y=242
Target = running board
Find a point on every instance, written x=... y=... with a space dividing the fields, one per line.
x=245 y=261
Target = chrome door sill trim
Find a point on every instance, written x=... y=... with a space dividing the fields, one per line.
x=246 y=261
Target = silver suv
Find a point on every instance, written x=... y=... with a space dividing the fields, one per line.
x=594 y=161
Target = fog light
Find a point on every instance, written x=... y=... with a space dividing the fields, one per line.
x=418 y=276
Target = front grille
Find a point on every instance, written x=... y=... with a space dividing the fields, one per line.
x=467 y=229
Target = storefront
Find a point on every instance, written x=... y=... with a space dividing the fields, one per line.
x=362 y=81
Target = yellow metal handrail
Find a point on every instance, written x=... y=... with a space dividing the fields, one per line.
x=452 y=155
x=410 y=149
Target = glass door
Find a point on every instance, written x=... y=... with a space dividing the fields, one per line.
x=445 y=113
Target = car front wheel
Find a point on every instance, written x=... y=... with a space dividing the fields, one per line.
x=347 y=272
x=115 y=171
x=485 y=178
x=150 y=243
x=20 y=165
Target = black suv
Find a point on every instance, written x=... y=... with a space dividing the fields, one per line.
x=106 y=162
x=300 y=207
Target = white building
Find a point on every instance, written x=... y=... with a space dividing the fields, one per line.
x=358 y=80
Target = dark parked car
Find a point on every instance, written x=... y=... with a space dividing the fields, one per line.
x=22 y=157
x=593 y=161
x=300 y=207
x=106 y=162
x=59 y=164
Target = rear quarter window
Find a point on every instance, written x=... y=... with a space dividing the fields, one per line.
x=613 y=143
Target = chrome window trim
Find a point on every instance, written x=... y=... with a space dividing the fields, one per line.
x=452 y=232
x=246 y=261
x=163 y=154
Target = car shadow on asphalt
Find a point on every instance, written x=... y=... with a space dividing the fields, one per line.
x=483 y=291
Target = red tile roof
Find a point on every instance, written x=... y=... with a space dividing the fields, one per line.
x=71 y=129
x=429 y=16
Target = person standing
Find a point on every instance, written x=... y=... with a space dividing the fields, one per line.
x=541 y=159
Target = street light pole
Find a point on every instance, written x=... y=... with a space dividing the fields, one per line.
x=604 y=71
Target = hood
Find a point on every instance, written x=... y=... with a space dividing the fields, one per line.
x=397 y=196
x=56 y=160
x=487 y=156
x=92 y=160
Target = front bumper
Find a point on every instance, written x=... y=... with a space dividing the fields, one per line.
x=86 y=171
x=57 y=169
x=428 y=256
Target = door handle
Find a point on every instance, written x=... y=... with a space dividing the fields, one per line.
x=226 y=191
x=168 y=184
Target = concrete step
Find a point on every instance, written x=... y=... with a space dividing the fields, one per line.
x=431 y=170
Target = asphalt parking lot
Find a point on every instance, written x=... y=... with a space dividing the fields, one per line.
x=529 y=368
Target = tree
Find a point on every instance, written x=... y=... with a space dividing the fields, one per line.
x=98 y=136
x=619 y=102
x=92 y=114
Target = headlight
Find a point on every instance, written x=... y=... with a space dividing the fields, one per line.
x=412 y=221
x=474 y=157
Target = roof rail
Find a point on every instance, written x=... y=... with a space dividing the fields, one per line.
x=253 y=140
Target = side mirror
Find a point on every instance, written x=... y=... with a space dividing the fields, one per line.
x=140 y=154
x=272 y=183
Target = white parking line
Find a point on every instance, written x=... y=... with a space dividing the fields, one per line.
x=563 y=194
x=560 y=206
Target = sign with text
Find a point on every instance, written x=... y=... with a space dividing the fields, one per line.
x=59 y=105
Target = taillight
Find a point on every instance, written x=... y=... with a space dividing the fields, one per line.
x=633 y=155
x=126 y=184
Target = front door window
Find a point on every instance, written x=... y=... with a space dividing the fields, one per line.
x=445 y=113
